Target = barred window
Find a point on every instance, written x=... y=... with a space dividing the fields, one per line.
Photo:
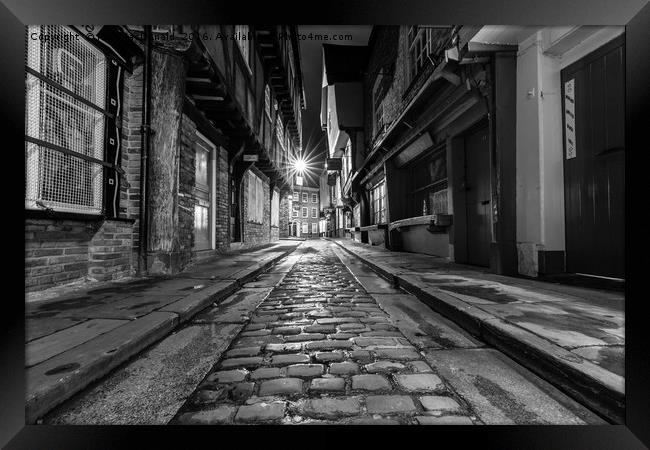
x=255 y=198
x=65 y=107
x=378 y=203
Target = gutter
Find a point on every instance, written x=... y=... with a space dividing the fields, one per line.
x=146 y=132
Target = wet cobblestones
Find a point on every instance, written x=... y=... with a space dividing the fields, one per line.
x=319 y=349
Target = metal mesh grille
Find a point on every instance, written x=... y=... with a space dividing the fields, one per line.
x=54 y=179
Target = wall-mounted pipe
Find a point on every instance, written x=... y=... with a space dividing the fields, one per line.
x=145 y=131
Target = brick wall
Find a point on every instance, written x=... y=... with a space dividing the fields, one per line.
x=285 y=214
x=255 y=233
x=387 y=54
x=131 y=146
x=62 y=251
x=109 y=251
x=222 y=235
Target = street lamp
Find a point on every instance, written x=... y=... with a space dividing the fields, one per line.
x=300 y=165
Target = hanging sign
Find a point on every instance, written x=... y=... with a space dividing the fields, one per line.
x=251 y=157
x=334 y=164
x=569 y=119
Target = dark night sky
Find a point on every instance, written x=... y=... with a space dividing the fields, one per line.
x=312 y=62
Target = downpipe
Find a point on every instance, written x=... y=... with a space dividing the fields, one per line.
x=145 y=131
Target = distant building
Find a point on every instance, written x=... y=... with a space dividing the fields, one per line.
x=305 y=215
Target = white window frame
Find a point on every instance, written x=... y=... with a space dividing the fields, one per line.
x=314 y=227
x=305 y=212
x=378 y=203
x=314 y=198
x=314 y=213
x=305 y=197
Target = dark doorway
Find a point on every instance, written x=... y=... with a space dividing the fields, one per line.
x=594 y=161
x=477 y=196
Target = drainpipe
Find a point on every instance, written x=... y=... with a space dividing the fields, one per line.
x=145 y=131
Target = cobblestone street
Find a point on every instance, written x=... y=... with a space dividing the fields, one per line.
x=320 y=349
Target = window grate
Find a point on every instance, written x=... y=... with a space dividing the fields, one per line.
x=54 y=179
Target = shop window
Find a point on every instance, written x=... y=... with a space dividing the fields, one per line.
x=255 y=198
x=378 y=203
x=429 y=184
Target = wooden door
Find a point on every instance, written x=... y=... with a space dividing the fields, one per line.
x=477 y=197
x=203 y=183
x=593 y=103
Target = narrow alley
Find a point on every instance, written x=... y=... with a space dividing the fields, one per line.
x=320 y=338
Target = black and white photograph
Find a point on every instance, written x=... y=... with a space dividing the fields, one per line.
x=266 y=225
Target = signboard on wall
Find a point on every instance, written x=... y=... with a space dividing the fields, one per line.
x=569 y=119
x=251 y=157
x=334 y=164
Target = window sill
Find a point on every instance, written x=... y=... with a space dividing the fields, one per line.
x=60 y=215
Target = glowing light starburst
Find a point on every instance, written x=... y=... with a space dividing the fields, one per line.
x=305 y=163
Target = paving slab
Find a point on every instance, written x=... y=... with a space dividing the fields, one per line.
x=502 y=392
x=421 y=325
x=56 y=379
x=154 y=305
x=236 y=308
x=534 y=322
x=150 y=389
x=46 y=347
